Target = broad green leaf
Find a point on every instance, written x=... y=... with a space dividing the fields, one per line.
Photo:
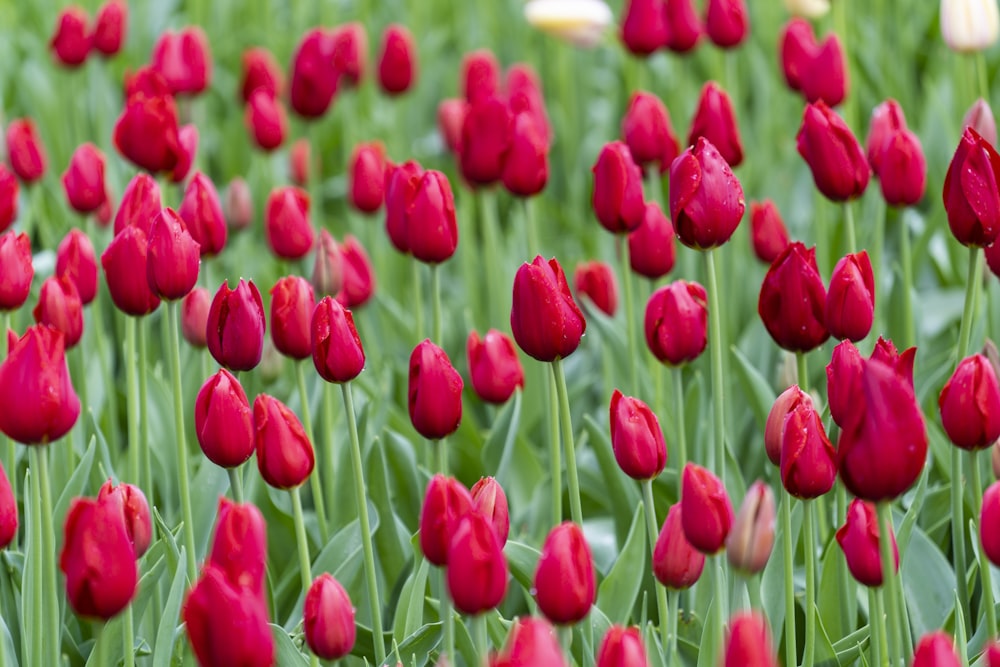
x=523 y=561
x=617 y=594
x=837 y=611
x=7 y=645
x=420 y=644
x=75 y=487
x=11 y=568
x=171 y=614
x=389 y=548
x=773 y=581
x=622 y=493
x=285 y=653
x=755 y=387
x=414 y=617
x=498 y=451
x=928 y=584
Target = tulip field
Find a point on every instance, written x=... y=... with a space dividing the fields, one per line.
x=558 y=333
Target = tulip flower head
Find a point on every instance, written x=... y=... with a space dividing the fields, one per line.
x=223 y=420
x=531 y=641
x=706 y=199
x=622 y=647
x=676 y=563
x=489 y=499
x=768 y=234
x=850 y=302
x=834 y=156
x=676 y=322
x=579 y=22
x=748 y=642
x=8 y=511
x=859 y=540
x=75 y=259
x=596 y=281
x=636 y=438
x=970 y=25
x=435 y=392
x=972 y=191
x=792 y=300
x=72 y=40
x=651 y=247
x=336 y=348
x=24 y=150
x=328 y=618
x=236 y=326
x=565 y=586
x=477 y=570
x=751 y=539
x=445 y=503
x=970 y=404
x=397 y=62
x=494 y=366
x=707 y=512
x=546 y=321
x=715 y=120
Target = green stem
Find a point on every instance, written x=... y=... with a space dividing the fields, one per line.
x=889 y=580
x=144 y=453
x=438 y=327
x=183 y=474
x=78 y=373
x=753 y=590
x=101 y=644
x=719 y=605
x=984 y=86
x=360 y=497
x=531 y=227
x=441 y=450
x=971 y=293
x=51 y=594
x=877 y=632
x=479 y=634
x=675 y=612
x=627 y=281
x=906 y=257
x=802 y=371
x=448 y=615
x=11 y=463
x=236 y=483
x=314 y=479
x=984 y=563
x=681 y=435
x=128 y=639
x=104 y=365
x=957 y=534
x=132 y=399
x=791 y=650
x=718 y=383
x=843 y=575
x=852 y=239
x=654 y=191
x=575 y=508
x=37 y=553
x=498 y=305
x=809 y=546
x=305 y=569
x=555 y=451
x=418 y=299
x=327 y=461
x=651 y=531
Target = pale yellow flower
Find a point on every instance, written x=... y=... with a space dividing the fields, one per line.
x=969 y=25
x=582 y=22
x=809 y=9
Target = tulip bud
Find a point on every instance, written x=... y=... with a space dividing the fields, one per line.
x=494 y=367
x=676 y=564
x=487 y=131
x=25 y=150
x=580 y=23
x=980 y=118
x=636 y=438
x=124 y=259
x=989 y=518
x=350 y=51
x=110 y=27
x=18 y=271
x=859 y=539
x=477 y=569
x=237 y=206
x=546 y=322
x=184 y=60
x=83 y=180
x=774 y=428
x=431 y=229
x=751 y=539
x=715 y=120
x=768 y=235
x=792 y=299
x=260 y=72
x=531 y=641
x=194 y=316
x=969 y=25
x=202 y=212
x=644 y=27
x=706 y=199
x=903 y=169
x=707 y=512
x=564 y=582
x=328 y=270
x=887 y=120
x=286 y=220
x=445 y=502
x=367 y=169
x=328 y=618
x=843 y=374
x=173 y=257
x=727 y=22
x=336 y=347
x=676 y=322
x=651 y=251
x=359 y=276
x=936 y=649
x=8 y=511
x=810 y=9
x=647 y=131
x=596 y=281
x=284 y=454
x=480 y=76
x=98 y=558
x=798 y=48
x=314 y=82
x=825 y=74
x=300 y=162
x=292 y=304
x=972 y=191
x=147 y=132
x=59 y=307
x=970 y=404
x=526 y=167
x=748 y=642
x=450 y=119
x=992 y=654
x=140 y=204
x=135 y=510
x=622 y=647
x=187 y=135
x=435 y=392
x=76 y=261
x=808 y=460
x=9 y=190
x=685 y=26
x=236 y=326
x=223 y=421
x=828 y=146
x=489 y=499
x=397 y=61
x=71 y=41
x=850 y=303
x=524 y=95
x=265 y=120
x=402 y=182
x=227 y=623
x=145 y=82
x=618 y=200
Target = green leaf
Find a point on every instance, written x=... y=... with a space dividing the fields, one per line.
x=420 y=644
x=285 y=653
x=7 y=645
x=621 y=491
x=498 y=451
x=928 y=584
x=711 y=642
x=838 y=615
x=171 y=612
x=755 y=388
x=522 y=560
x=773 y=580
x=74 y=488
x=415 y=609
x=389 y=546
x=618 y=592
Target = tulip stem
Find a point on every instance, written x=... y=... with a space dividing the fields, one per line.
x=877 y=634
x=11 y=464
x=957 y=533
x=40 y=462
x=651 y=531
x=531 y=227
x=36 y=549
x=984 y=563
x=971 y=301
x=236 y=483
x=555 y=452
x=847 y=585
x=809 y=547
x=678 y=374
x=183 y=474
x=97 y=319
x=101 y=643
x=131 y=399
x=314 y=479
x=802 y=371
x=791 y=650
x=441 y=450
x=418 y=299
x=490 y=249
x=984 y=85
x=889 y=581
x=128 y=639
x=305 y=568
x=627 y=288
x=436 y=304
x=852 y=239
x=78 y=373
x=327 y=459
x=719 y=604
x=718 y=383
x=674 y=614
x=144 y=453
x=448 y=617
x=576 y=511
x=906 y=258
x=482 y=642
x=366 y=534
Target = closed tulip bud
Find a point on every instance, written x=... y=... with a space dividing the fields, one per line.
x=9 y=190
x=644 y=26
x=59 y=307
x=124 y=259
x=989 y=519
x=8 y=511
x=751 y=539
x=992 y=654
x=828 y=146
x=397 y=61
x=202 y=213
x=748 y=642
x=810 y=9
x=859 y=540
x=651 y=248
x=618 y=200
x=435 y=392
x=260 y=72
x=798 y=48
x=187 y=135
x=715 y=120
x=140 y=204
x=110 y=27
x=480 y=75
x=596 y=281
x=477 y=569
x=314 y=81
x=450 y=119
x=286 y=222
x=792 y=300
x=883 y=445
x=76 y=261
x=980 y=118
x=83 y=180
x=328 y=269
x=223 y=421
x=825 y=76
x=526 y=167
x=15 y=280
x=265 y=120
x=487 y=132
x=546 y=322
x=970 y=404
x=145 y=82
x=774 y=428
x=227 y=624
x=842 y=376
x=676 y=322
x=359 y=276
x=445 y=503
x=147 y=133
x=494 y=367
x=25 y=150
x=292 y=304
x=768 y=235
x=367 y=173
x=685 y=25
x=622 y=647
x=969 y=25
x=900 y=362
x=706 y=199
x=431 y=228
x=284 y=454
x=97 y=557
x=336 y=347
x=239 y=546
x=402 y=183
x=676 y=564
x=490 y=500
x=184 y=60
x=236 y=326
x=647 y=131
x=564 y=582
x=972 y=191
x=636 y=437
x=135 y=511
x=707 y=512
x=173 y=257
x=808 y=460
x=328 y=618
x=237 y=205
x=887 y=119
x=935 y=649
x=850 y=303
x=350 y=53
x=727 y=22
x=524 y=95
x=903 y=174
x=531 y=641
x=71 y=41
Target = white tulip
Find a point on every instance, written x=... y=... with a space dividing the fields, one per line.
x=970 y=25
x=582 y=22
x=809 y=9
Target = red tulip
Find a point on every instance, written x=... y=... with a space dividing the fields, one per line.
x=992 y=654
x=618 y=199
x=748 y=642
x=706 y=200
x=292 y=304
x=59 y=307
x=980 y=118
x=350 y=49
x=526 y=168
x=972 y=191
x=707 y=512
x=314 y=82
x=487 y=132
x=435 y=392
x=647 y=131
x=751 y=539
x=524 y=95
x=676 y=322
x=808 y=460
x=774 y=428
x=15 y=279
x=147 y=133
x=328 y=618
x=850 y=303
x=715 y=120
x=825 y=74
x=622 y=647
x=194 y=316
x=596 y=280
x=75 y=259
x=900 y=362
x=494 y=367
x=636 y=437
x=24 y=150
x=859 y=540
x=367 y=175
x=265 y=120
x=188 y=137
x=480 y=76
x=970 y=404
x=531 y=641
x=236 y=326
x=83 y=180
x=397 y=62
x=798 y=48
x=727 y=22
x=184 y=60
x=676 y=564
x=359 y=276
x=336 y=347
x=135 y=510
x=402 y=182
x=450 y=119
x=239 y=546
x=768 y=235
x=123 y=261
x=445 y=503
x=936 y=649
x=110 y=27
x=887 y=119
x=477 y=569
x=431 y=228
x=564 y=583
x=284 y=454
x=828 y=146
x=489 y=499
x=989 y=519
x=9 y=190
x=645 y=28
x=651 y=248
x=8 y=511
x=685 y=28
x=289 y=231
x=223 y=420
x=145 y=82
x=140 y=204
x=903 y=175
x=71 y=41
x=792 y=300
x=546 y=322
x=202 y=212
x=260 y=72
x=173 y=257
